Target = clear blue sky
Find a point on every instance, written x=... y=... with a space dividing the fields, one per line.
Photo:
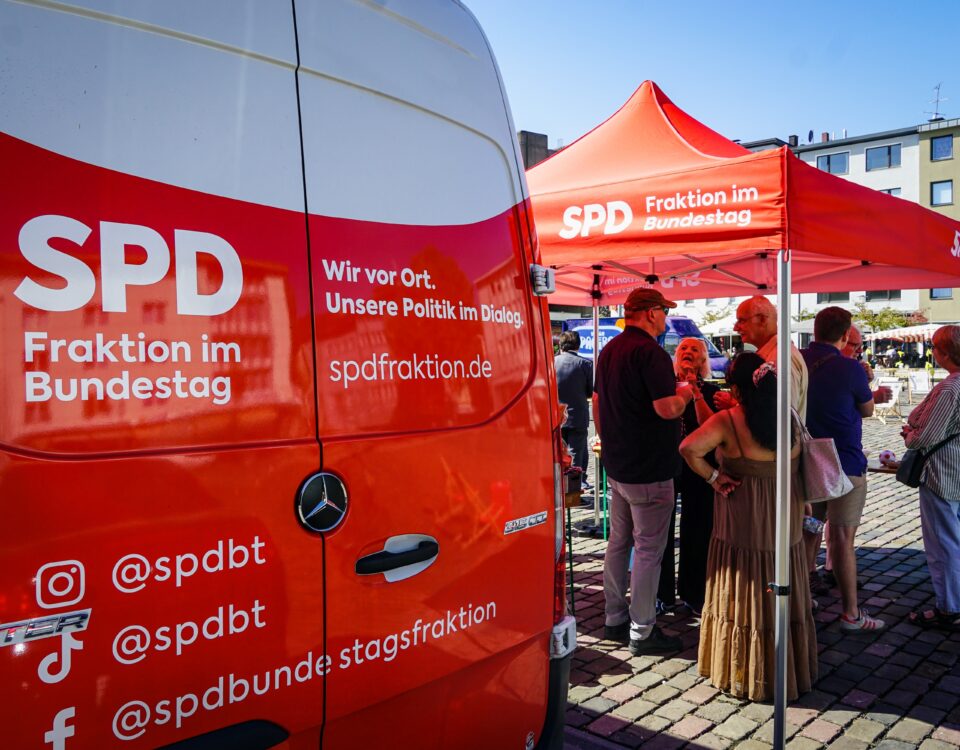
x=749 y=70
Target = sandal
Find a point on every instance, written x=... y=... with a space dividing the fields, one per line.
x=935 y=619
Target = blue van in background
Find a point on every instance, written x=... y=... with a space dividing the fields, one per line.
x=678 y=328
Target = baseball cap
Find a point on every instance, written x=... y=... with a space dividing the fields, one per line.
x=643 y=298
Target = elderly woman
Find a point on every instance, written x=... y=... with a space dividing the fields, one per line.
x=936 y=421
x=692 y=364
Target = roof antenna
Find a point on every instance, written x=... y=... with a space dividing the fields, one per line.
x=936 y=102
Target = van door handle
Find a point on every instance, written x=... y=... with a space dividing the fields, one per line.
x=381 y=562
x=401 y=557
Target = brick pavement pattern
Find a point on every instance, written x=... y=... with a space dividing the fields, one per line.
x=894 y=690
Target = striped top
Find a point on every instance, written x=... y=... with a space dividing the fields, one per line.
x=935 y=418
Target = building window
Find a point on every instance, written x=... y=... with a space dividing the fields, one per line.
x=883 y=157
x=823 y=297
x=834 y=163
x=941 y=147
x=883 y=295
x=941 y=293
x=891 y=191
x=941 y=193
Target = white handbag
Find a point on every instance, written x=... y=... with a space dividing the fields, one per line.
x=823 y=476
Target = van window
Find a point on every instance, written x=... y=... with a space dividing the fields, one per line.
x=422 y=317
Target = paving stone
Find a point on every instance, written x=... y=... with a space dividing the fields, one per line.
x=609 y=680
x=712 y=742
x=700 y=694
x=683 y=681
x=821 y=731
x=717 y=712
x=901 y=698
x=597 y=705
x=669 y=668
x=909 y=730
x=675 y=710
x=859 y=699
x=632 y=737
x=894 y=745
x=622 y=692
x=576 y=718
x=841 y=715
x=803 y=743
x=644 y=680
x=691 y=726
x=579 y=739
x=758 y=712
x=661 y=694
x=800 y=716
x=932 y=716
x=735 y=728
x=606 y=725
x=633 y=710
x=865 y=729
x=752 y=744
x=654 y=723
x=664 y=742
x=816 y=699
x=936 y=745
x=940 y=699
x=885 y=713
x=582 y=693
x=848 y=743
x=948 y=733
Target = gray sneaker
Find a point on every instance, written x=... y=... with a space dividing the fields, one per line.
x=655 y=643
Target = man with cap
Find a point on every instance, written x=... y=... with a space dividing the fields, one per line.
x=637 y=405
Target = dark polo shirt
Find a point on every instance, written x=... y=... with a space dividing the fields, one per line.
x=639 y=447
x=837 y=386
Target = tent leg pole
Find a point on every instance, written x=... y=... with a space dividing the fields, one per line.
x=596 y=457
x=781 y=588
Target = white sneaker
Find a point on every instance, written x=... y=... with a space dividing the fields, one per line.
x=864 y=623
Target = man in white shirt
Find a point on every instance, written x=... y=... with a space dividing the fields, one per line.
x=757 y=325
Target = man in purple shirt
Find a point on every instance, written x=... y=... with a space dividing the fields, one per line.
x=838 y=398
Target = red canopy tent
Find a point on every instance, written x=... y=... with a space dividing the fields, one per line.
x=654 y=197
x=653 y=193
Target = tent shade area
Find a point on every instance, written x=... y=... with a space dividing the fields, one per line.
x=653 y=196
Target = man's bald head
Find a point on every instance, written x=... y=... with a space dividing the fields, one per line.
x=756 y=320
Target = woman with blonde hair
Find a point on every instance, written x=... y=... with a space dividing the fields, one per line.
x=692 y=364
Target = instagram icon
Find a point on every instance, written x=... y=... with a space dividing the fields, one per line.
x=60 y=584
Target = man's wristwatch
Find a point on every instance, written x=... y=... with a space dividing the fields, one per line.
x=713 y=477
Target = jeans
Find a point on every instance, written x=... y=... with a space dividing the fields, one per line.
x=639 y=517
x=940 y=523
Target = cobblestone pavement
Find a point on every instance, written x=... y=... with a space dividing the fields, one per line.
x=894 y=690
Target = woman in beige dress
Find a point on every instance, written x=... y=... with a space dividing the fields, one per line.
x=737 y=626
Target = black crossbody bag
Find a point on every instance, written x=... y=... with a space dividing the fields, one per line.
x=913 y=461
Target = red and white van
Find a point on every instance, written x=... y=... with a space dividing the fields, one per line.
x=278 y=445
